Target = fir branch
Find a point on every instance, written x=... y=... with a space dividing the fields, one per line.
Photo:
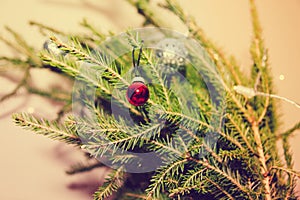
x=158 y=180
x=118 y=135
x=21 y=84
x=287 y=170
x=80 y=168
x=93 y=30
x=204 y=102
x=82 y=56
x=164 y=145
x=179 y=191
x=72 y=69
x=182 y=142
x=212 y=152
x=214 y=52
x=98 y=40
x=15 y=61
x=12 y=45
x=223 y=174
x=260 y=72
x=192 y=177
x=112 y=184
x=265 y=108
x=174 y=116
x=46 y=128
x=128 y=140
x=101 y=62
x=43 y=27
x=190 y=133
x=195 y=31
x=290 y=131
x=263 y=161
x=288 y=157
x=23 y=47
x=135 y=196
x=56 y=95
x=145 y=10
x=257 y=47
x=228 y=196
x=260 y=69
x=69 y=67
x=63 y=111
x=242 y=132
x=123 y=158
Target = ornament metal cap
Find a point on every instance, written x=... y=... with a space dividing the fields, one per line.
x=138 y=79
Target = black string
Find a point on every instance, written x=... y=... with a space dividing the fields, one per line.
x=133 y=60
x=139 y=57
x=137 y=64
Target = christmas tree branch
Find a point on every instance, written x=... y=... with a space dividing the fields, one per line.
x=43 y=27
x=263 y=162
x=127 y=141
x=260 y=72
x=265 y=109
x=15 y=61
x=57 y=95
x=82 y=56
x=22 y=46
x=220 y=189
x=193 y=177
x=135 y=196
x=118 y=136
x=47 y=128
x=101 y=37
x=158 y=76
x=22 y=83
x=80 y=167
x=223 y=174
x=180 y=191
x=219 y=158
x=287 y=170
x=158 y=184
x=174 y=116
x=112 y=183
x=164 y=145
x=72 y=69
x=102 y=65
x=197 y=33
x=290 y=131
x=235 y=122
x=288 y=155
x=144 y=9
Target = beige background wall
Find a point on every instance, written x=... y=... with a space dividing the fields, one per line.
x=32 y=167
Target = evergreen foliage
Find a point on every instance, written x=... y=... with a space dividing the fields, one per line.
x=222 y=149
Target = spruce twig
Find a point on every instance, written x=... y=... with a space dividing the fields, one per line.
x=113 y=183
x=47 y=128
x=196 y=32
x=147 y=12
x=22 y=83
x=80 y=168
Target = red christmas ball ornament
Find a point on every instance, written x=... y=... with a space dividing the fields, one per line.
x=137 y=93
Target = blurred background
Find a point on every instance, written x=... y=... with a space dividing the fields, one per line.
x=33 y=167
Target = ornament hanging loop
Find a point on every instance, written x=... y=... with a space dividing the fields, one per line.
x=136 y=64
